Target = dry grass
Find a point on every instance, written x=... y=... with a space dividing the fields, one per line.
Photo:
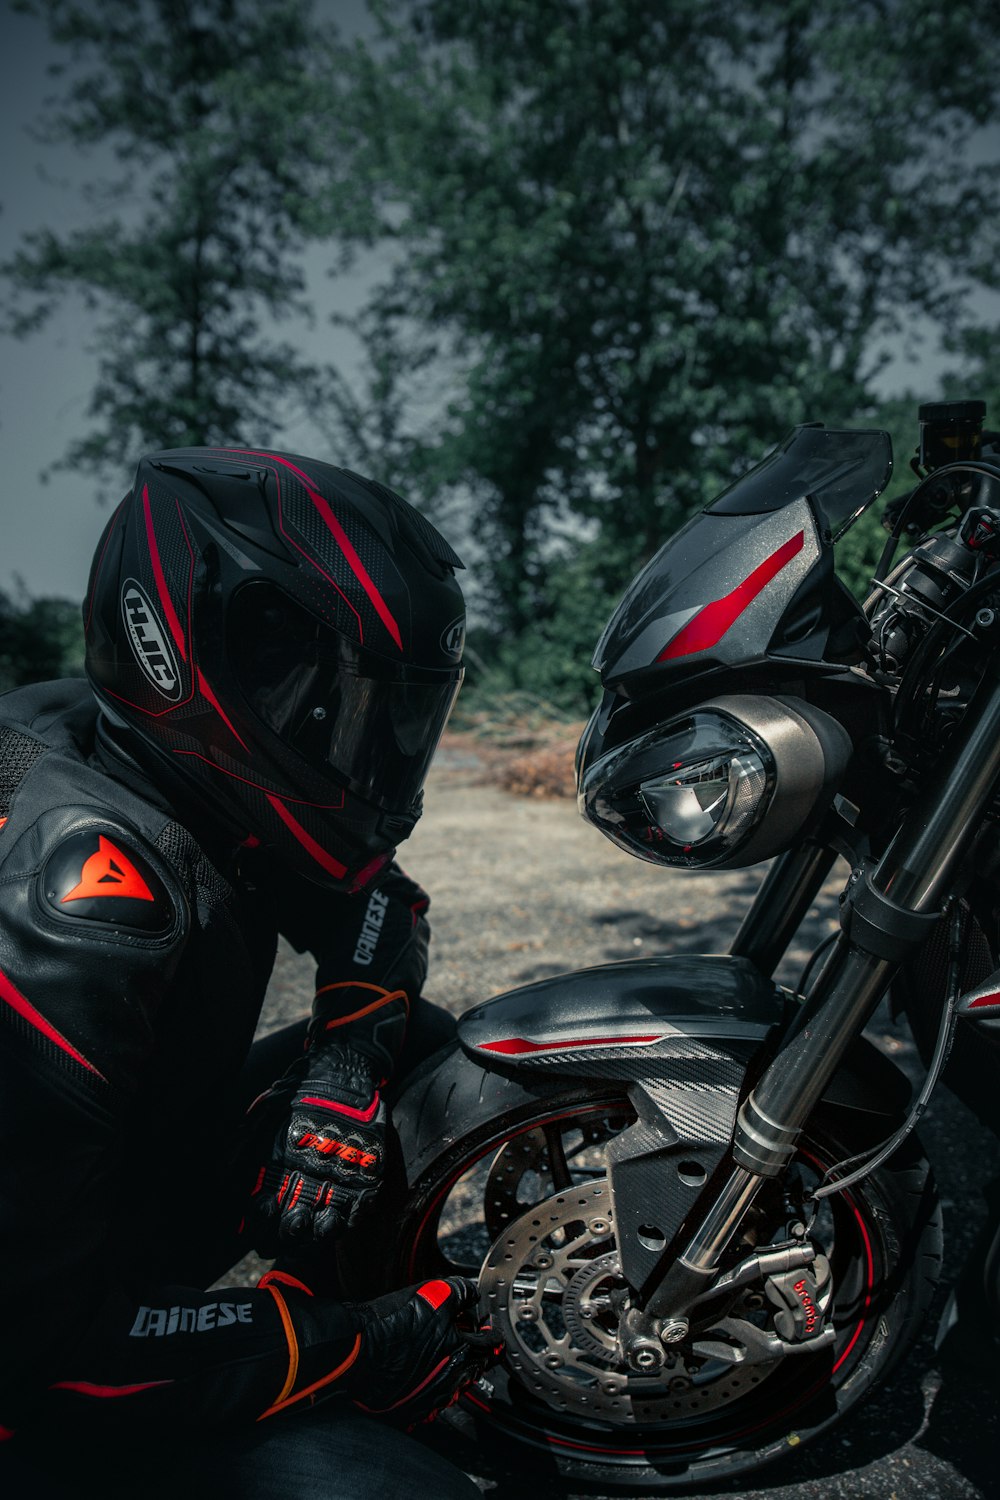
x=520 y=746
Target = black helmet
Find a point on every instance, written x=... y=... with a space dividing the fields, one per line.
x=287 y=638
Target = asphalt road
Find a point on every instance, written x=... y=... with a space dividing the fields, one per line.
x=521 y=889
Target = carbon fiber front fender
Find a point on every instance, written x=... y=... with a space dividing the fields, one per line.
x=617 y=1020
x=679 y=1033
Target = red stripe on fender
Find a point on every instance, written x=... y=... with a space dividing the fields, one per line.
x=88 y=1388
x=316 y=851
x=985 y=1001
x=364 y=1115
x=25 y=1009
x=711 y=623
x=515 y=1046
x=434 y=1292
x=160 y=576
x=340 y=537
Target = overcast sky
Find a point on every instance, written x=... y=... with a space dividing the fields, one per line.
x=48 y=532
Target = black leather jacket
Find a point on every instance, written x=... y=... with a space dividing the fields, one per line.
x=132 y=972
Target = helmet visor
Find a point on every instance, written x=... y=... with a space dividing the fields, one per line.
x=372 y=722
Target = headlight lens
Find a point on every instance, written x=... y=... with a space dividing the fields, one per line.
x=719 y=795
x=685 y=794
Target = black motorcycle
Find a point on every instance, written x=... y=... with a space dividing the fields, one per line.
x=700 y=1217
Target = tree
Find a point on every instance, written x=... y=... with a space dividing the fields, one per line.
x=211 y=109
x=39 y=639
x=652 y=238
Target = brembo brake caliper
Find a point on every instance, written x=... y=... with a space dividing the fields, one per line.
x=797 y=1283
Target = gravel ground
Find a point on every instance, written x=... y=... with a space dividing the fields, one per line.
x=521 y=889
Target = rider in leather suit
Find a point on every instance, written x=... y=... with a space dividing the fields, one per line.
x=273 y=646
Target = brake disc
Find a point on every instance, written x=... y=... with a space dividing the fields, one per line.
x=553 y=1285
x=517 y=1158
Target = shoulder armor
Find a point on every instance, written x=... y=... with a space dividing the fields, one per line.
x=102 y=874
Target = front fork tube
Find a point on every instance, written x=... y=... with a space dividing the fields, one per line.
x=902 y=896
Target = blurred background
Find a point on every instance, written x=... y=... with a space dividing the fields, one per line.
x=557 y=270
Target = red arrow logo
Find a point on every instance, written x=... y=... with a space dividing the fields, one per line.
x=109 y=873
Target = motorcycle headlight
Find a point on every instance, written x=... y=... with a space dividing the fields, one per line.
x=724 y=786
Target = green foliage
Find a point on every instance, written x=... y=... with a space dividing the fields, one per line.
x=976 y=377
x=39 y=639
x=647 y=240
x=211 y=110
x=549 y=660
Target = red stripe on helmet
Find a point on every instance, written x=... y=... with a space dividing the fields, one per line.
x=340 y=537
x=206 y=692
x=25 y=1009
x=259 y=786
x=984 y=1002
x=316 y=851
x=160 y=576
x=710 y=624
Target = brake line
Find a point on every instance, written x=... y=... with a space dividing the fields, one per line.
x=942 y=1048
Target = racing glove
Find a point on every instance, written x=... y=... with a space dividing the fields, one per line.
x=327 y=1159
x=401 y=1357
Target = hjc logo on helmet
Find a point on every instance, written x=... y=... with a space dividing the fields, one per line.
x=453 y=638
x=149 y=641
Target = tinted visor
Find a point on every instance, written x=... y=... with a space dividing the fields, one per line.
x=373 y=722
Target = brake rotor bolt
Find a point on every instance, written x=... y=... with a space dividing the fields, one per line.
x=586 y=1311
x=678 y=1383
x=543 y=1260
x=673 y=1330
x=598 y=1226
x=554 y=1361
x=527 y=1314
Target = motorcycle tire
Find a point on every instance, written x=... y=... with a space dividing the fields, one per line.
x=481 y=1153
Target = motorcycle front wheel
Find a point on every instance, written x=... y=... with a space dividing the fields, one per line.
x=508 y=1181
